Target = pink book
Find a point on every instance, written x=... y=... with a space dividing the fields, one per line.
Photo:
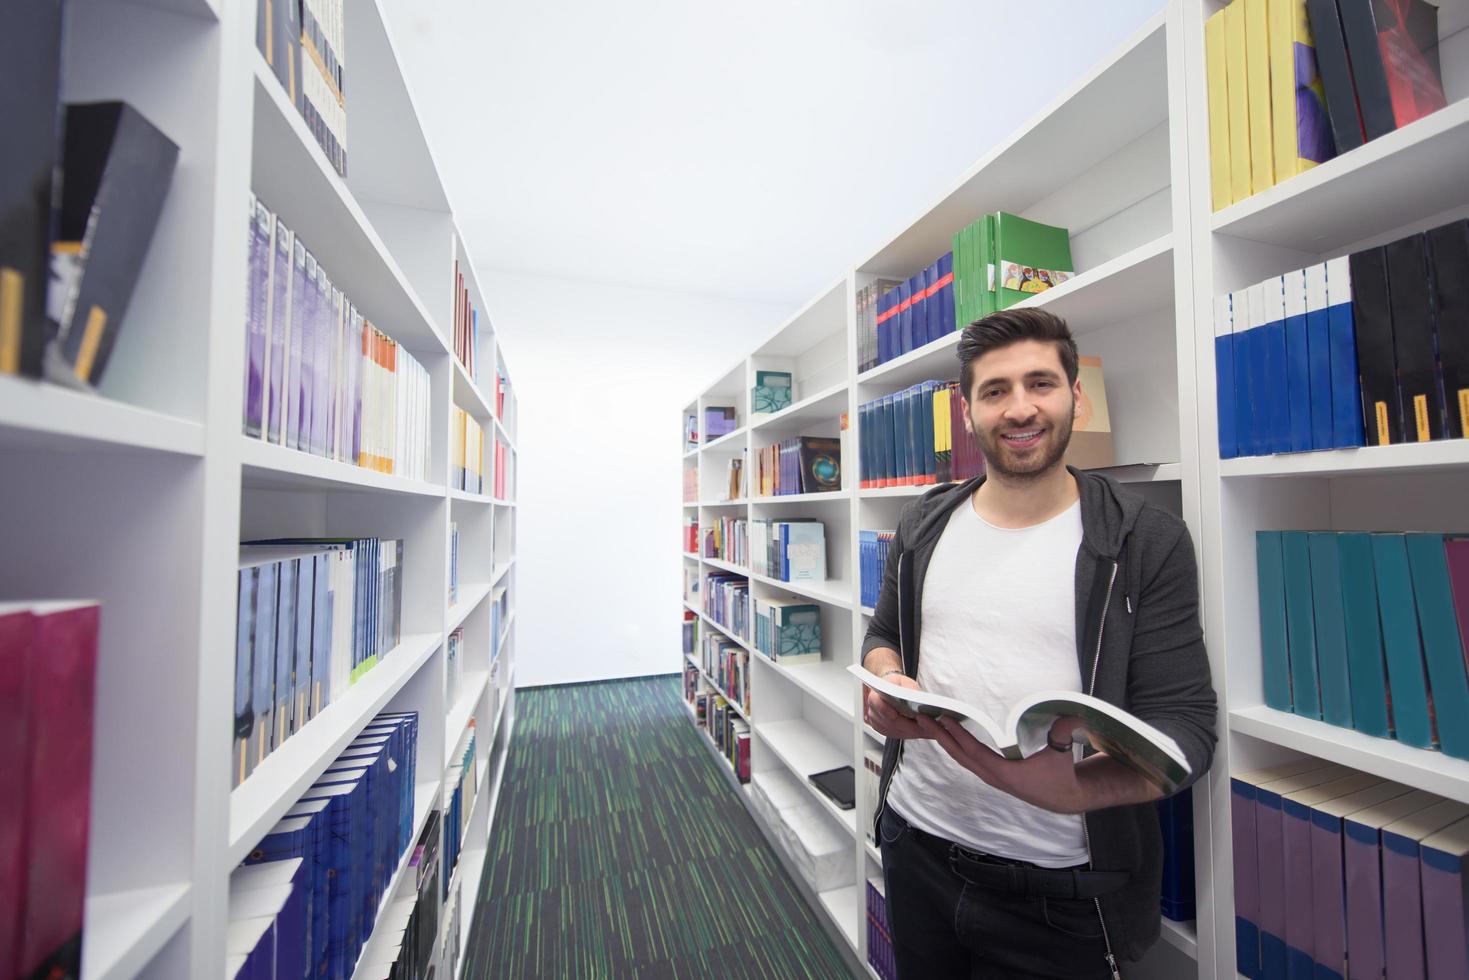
x=1444 y=857
x=1362 y=847
x=1402 y=907
x=58 y=791
x=16 y=626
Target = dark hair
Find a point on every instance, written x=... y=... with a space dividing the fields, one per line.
x=1008 y=327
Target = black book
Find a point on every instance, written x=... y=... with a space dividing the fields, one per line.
x=30 y=50
x=838 y=785
x=118 y=167
x=1412 y=331
x=1336 y=74
x=1448 y=248
x=1372 y=319
x=1369 y=74
x=821 y=464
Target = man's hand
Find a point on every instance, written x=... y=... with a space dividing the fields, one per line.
x=889 y=720
x=1048 y=779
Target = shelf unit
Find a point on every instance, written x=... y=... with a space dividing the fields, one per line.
x=159 y=485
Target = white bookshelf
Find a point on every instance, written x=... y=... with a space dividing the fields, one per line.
x=1121 y=158
x=139 y=495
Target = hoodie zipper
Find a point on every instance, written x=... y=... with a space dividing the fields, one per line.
x=1085 y=835
x=883 y=803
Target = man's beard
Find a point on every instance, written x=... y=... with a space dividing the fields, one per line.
x=992 y=444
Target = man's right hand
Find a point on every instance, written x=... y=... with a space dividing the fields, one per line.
x=889 y=720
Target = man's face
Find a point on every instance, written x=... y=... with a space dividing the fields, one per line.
x=1021 y=409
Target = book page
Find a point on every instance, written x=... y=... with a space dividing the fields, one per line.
x=1124 y=736
x=912 y=703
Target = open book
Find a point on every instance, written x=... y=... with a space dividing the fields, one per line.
x=1128 y=739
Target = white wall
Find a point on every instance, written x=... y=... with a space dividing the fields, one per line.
x=601 y=374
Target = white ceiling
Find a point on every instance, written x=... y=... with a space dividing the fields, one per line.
x=752 y=151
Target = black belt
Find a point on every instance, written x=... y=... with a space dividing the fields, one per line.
x=1018 y=877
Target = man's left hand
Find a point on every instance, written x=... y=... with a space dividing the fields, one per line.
x=1048 y=779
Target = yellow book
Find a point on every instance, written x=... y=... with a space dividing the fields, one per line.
x=1214 y=58
x=1283 y=85
x=1239 y=101
x=1257 y=70
x=1303 y=137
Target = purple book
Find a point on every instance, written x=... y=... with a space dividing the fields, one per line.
x=280 y=329
x=309 y=329
x=335 y=385
x=1457 y=552
x=299 y=300
x=1328 y=876
x=1445 y=901
x=1270 y=859
x=1362 y=857
x=321 y=373
x=261 y=225
x=354 y=386
x=1402 y=906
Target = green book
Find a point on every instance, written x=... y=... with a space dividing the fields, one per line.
x=988 y=299
x=1029 y=258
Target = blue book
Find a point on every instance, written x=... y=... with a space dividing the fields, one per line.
x=945 y=296
x=1224 y=378
x=371 y=769
x=285 y=653
x=928 y=468
x=301 y=707
x=890 y=439
x=1274 y=652
x=1297 y=361
x=1444 y=641
x=263 y=682
x=1318 y=349
x=291 y=846
x=1244 y=375
x=1346 y=390
x=318 y=813
x=923 y=329
x=1276 y=380
x=905 y=316
x=1331 y=629
x=241 y=758
x=1300 y=623
x=885 y=325
x=347 y=818
x=1364 y=638
x=1405 y=673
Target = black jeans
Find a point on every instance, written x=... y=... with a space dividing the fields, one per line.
x=944 y=926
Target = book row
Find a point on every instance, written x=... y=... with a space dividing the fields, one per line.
x=319 y=377
x=728 y=731
x=1366 y=631
x=410 y=922
x=801 y=464
x=879 y=935
x=1335 y=868
x=504 y=469
x=82 y=191
x=726 y=602
x=1293 y=83
x=312 y=616
x=461 y=783
x=48 y=677
x=1366 y=349
x=469 y=453
x=872 y=558
x=788 y=631
x=328 y=863
x=727 y=539
x=908 y=438
x=789 y=549
x=1001 y=259
x=466 y=332
x=727 y=665
x=304 y=43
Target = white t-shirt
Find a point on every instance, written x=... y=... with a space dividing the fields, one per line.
x=999 y=622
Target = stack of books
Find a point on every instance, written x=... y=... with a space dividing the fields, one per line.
x=726 y=602
x=411 y=921
x=867 y=302
x=691 y=534
x=792 y=550
x=1293 y=83
x=319 y=377
x=312 y=616
x=1332 y=865
x=329 y=861
x=916 y=312
x=48 y=676
x=728 y=664
x=801 y=464
x=1368 y=631
x=469 y=452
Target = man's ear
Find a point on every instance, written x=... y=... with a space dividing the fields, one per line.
x=1076 y=399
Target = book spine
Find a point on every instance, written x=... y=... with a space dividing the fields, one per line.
x=1346 y=391
x=1297 y=362
x=1257 y=69
x=1411 y=302
x=1215 y=58
x=1318 y=354
x=1372 y=320
x=262 y=227
x=1449 y=246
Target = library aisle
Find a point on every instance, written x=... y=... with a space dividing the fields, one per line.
x=620 y=850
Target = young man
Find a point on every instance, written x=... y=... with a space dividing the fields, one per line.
x=1038 y=577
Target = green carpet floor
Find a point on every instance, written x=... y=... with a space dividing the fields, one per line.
x=619 y=850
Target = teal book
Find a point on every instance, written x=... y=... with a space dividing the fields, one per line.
x=1442 y=642
x=1274 y=646
x=1405 y=673
x=1331 y=629
x=1370 y=712
x=1300 y=625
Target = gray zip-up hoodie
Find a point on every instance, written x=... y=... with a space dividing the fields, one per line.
x=1139 y=645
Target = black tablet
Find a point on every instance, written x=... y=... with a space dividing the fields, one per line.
x=839 y=785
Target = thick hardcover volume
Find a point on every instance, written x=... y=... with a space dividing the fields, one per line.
x=1243 y=341
x=1331 y=629
x=1297 y=362
x=1412 y=322
x=1443 y=642
x=1224 y=389
x=1400 y=638
x=58 y=789
x=17 y=626
x=1336 y=75
x=257 y=314
x=1318 y=354
x=118 y=168
x=1257 y=68
x=1445 y=911
x=1346 y=391
x=1402 y=887
x=1274 y=645
x=1449 y=250
x=1262 y=393
x=1215 y=60
x=1369 y=75
x=1238 y=93
x=1372 y=320
x=1302 y=134
x=1371 y=713
x=1300 y=624
x=30 y=49
x=1362 y=860
x=1277 y=378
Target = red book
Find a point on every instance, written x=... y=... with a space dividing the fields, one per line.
x=58 y=788
x=1457 y=552
x=16 y=626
